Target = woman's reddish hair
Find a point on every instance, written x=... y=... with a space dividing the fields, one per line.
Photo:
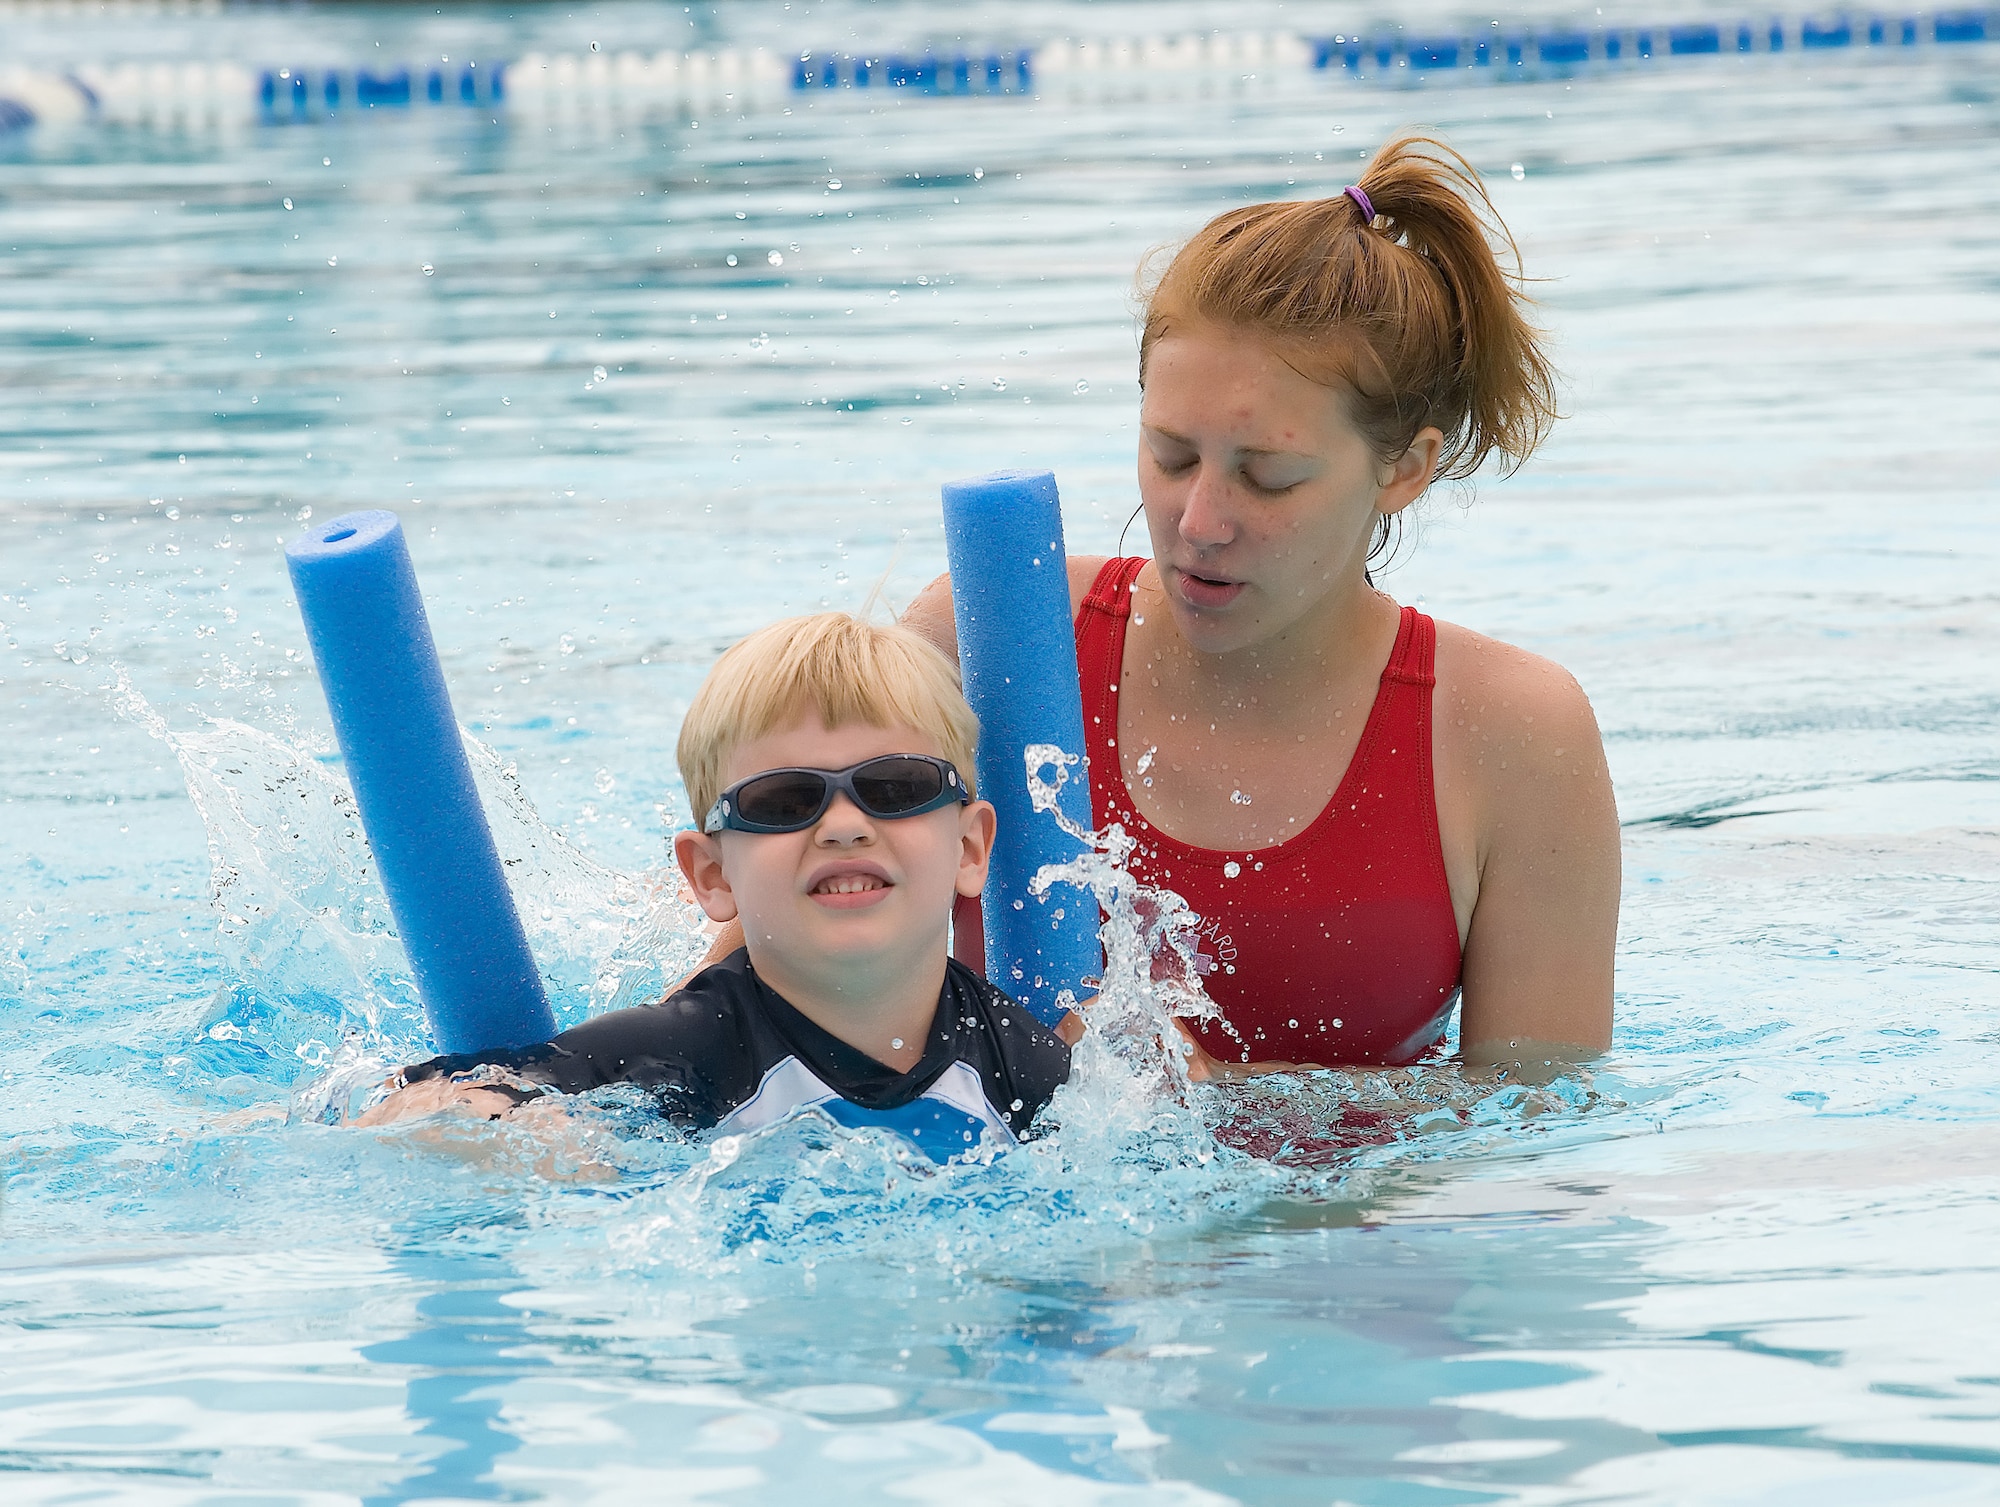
x=1410 y=312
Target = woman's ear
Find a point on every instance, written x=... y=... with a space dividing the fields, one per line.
x=1410 y=473
x=700 y=858
x=976 y=826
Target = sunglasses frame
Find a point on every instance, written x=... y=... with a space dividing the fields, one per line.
x=724 y=816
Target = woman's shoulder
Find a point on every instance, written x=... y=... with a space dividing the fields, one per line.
x=930 y=614
x=1083 y=573
x=1506 y=710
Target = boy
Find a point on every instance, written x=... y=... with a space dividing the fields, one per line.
x=832 y=758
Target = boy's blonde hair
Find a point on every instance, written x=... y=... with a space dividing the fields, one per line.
x=836 y=664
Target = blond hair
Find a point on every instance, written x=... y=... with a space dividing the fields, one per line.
x=832 y=663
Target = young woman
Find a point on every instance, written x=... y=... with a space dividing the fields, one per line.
x=1377 y=815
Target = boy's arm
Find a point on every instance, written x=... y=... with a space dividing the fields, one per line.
x=487 y=1100
x=647 y=1045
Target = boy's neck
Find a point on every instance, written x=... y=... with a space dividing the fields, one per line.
x=883 y=1006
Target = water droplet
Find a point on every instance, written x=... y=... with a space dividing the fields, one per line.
x=593 y=47
x=775 y=258
x=833 y=183
x=602 y=782
x=288 y=203
x=333 y=261
x=1238 y=798
x=429 y=270
x=999 y=384
x=1293 y=1024
x=1336 y=1023
x=174 y=513
x=741 y=215
x=326 y=162
x=1231 y=869
x=1518 y=171
x=567 y=643
x=224 y=1030
x=896 y=1043
x=1081 y=388
x=304 y=514
x=1015 y=1105
x=731 y=259
x=980 y=172
x=1338 y=129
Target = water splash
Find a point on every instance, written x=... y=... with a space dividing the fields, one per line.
x=1152 y=969
x=305 y=930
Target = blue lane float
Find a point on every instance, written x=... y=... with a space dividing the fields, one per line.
x=1017 y=655
x=1505 y=53
x=285 y=94
x=371 y=644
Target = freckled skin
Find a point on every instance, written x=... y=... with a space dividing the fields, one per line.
x=1253 y=657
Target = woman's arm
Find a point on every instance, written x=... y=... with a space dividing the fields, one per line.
x=1524 y=744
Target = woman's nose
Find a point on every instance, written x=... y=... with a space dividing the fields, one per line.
x=1206 y=520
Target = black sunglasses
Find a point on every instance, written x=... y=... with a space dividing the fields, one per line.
x=790 y=800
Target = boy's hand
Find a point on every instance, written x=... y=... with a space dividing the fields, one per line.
x=477 y=1101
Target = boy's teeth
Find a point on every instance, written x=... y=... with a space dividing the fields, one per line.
x=851 y=884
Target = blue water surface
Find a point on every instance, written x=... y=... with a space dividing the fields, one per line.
x=640 y=380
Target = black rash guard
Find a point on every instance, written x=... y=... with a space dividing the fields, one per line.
x=728 y=1052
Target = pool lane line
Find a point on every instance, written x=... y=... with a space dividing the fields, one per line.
x=159 y=92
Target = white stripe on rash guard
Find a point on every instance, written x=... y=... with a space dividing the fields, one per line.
x=792 y=1086
x=789 y=1086
x=958 y=1086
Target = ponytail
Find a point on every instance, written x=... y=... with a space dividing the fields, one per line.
x=1408 y=309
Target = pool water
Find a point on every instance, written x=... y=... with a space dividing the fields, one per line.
x=1749 y=1257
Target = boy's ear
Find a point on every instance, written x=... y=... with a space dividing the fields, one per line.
x=700 y=858
x=976 y=825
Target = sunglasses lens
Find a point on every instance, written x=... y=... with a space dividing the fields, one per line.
x=788 y=798
x=892 y=786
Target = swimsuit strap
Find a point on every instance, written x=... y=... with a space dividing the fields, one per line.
x=1111 y=592
x=1414 y=659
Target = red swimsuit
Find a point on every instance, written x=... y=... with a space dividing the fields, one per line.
x=1338 y=945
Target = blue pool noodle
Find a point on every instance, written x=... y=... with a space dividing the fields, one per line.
x=406 y=761
x=1017 y=653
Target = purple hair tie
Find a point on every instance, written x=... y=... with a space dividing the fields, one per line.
x=1353 y=191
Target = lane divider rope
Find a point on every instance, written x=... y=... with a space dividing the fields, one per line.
x=142 y=93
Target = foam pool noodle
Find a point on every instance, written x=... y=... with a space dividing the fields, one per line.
x=1017 y=655
x=371 y=644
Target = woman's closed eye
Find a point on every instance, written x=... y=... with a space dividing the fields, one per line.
x=1272 y=475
